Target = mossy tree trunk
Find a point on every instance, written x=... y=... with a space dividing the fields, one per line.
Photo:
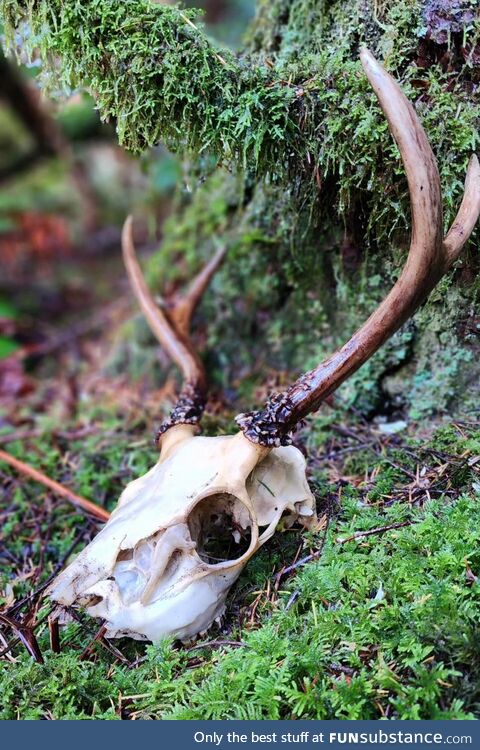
x=302 y=176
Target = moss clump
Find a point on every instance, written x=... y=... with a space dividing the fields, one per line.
x=158 y=76
x=294 y=105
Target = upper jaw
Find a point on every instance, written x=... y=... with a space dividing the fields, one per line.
x=146 y=572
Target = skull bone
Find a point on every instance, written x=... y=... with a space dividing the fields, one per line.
x=152 y=569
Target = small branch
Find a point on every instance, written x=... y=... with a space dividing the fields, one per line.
x=54 y=635
x=59 y=489
x=26 y=635
x=299 y=564
x=292 y=600
x=379 y=530
x=218 y=644
x=12 y=437
x=304 y=560
x=18 y=435
x=88 y=650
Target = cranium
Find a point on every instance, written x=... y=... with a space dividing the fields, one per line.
x=153 y=570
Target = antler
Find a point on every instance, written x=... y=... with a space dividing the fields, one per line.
x=172 y=329
x=429 y=258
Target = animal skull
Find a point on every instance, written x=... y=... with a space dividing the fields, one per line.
x=152 y=570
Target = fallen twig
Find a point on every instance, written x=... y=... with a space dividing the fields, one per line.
x=88 y=650
x=18 y=435
x=218 y=644
x=12 y=437
x=292 y=600
x=54 y=635
x=369 y=532
x=26 y=635
x=298 y=564
x=59 y=489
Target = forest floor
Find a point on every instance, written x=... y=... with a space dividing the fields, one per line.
x=373 y=614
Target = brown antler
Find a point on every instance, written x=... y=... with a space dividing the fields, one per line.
x=172 y=329
x=429 y=258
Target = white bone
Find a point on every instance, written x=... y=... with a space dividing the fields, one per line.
x=144 y=573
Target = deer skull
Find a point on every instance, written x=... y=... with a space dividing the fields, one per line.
x=159 y=567
x=152 y=570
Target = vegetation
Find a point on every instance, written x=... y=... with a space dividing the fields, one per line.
x=378 y=625
x=278 y=109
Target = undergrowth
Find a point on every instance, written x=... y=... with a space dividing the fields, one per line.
x=374 y=625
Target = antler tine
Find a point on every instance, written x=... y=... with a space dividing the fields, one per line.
x=183 y=311
x=173 y=330
x=467 y=215
x=428 y=260
x=174 y=344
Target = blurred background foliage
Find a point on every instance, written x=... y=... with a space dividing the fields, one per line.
x=65 y=189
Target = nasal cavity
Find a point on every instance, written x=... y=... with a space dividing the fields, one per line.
x=215 y=526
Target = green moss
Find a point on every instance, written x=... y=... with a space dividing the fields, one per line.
x=383 y=624
x=157 y=76
x=309 y=111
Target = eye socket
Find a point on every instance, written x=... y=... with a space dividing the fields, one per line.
x=218 y=536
